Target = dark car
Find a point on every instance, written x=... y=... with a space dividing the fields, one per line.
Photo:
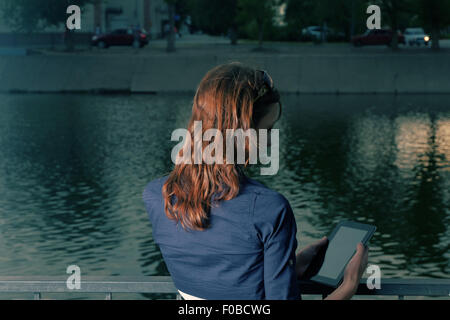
x=376 y=37
x=121 y=37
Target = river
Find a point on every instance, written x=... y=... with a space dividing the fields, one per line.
x=73 y=168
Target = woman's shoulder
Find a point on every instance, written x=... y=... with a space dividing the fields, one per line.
x=271 y=210
x=153 y=189
x=264 y=193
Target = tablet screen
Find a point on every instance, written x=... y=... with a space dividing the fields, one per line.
x=340 y=250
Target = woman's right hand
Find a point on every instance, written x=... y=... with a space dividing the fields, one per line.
x=352 y=275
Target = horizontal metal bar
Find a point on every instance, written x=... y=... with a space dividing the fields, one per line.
x=89 y=284
x=389 y=287
x=157 y=284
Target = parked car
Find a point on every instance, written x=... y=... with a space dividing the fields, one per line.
x=121 y=37
x=377 y=37
x=314 y=33
x=416 y=36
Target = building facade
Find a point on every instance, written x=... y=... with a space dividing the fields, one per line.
x=107 y=15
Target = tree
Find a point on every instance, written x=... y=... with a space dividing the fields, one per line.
x=30 y=16
x=171 y=36
x=352 y=15
x=303 y=13
x=179 y=9
x=397 y=13
x=434 y=14
x=261 y=12
x=299 y=14
x=215 y=17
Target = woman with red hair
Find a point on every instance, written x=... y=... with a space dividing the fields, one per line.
x=223 y=235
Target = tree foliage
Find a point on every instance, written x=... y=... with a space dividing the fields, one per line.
x=434 y=15
x=255 y=18
x=430 y=14
x=299 y=14
x=213 y=16
x=396 y=13
x=302 y=13
x=259 y=13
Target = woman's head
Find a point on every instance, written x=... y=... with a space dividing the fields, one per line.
x=234 y=96
x=230 y=96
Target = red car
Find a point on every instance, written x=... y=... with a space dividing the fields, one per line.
x=376 y=37
x=121 y=37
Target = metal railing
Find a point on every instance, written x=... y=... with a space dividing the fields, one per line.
x=110 y=285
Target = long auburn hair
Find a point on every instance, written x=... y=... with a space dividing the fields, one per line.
x=225 y=99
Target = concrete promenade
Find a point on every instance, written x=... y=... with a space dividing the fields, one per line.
x=296 y=69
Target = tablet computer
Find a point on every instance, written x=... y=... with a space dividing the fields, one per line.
x=342 y=244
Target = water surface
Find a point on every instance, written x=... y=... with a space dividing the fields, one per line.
x=73 y=168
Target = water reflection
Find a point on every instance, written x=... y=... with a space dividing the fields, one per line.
x=72 y=175
x=382 y=160
x=73 y=168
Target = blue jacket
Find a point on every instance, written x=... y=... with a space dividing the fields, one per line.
x=248 y=251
